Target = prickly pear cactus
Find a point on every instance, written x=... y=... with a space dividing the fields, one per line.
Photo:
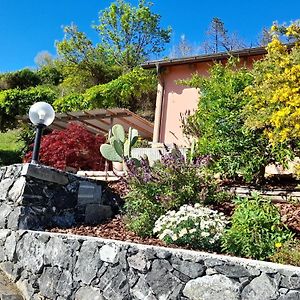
x=119 y=147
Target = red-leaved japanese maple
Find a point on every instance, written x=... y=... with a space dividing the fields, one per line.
x=73 y=147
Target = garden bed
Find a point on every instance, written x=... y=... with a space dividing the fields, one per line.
x=115 y=228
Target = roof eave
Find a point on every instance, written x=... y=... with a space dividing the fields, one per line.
x=203 y=58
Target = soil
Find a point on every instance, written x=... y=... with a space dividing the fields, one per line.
x=112 y=229
x=115 y=228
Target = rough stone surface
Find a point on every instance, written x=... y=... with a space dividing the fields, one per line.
x=88 y=263
x=215 y=287
x=167 y=282
x=109 y=253
x=88 y=293
x=232 y=271
x=138 y=262
x=291 y=295
x=35 y=197
x=188 y=268
x=97 y=213
x=56 y=266
x=261 y=288
x=8 y=290
x=290 y=282
x=48 y=282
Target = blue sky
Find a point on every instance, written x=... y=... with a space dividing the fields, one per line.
x=28 y=27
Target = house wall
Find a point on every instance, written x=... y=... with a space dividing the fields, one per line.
x=177 y=99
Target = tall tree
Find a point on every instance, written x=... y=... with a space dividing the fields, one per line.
x=220 y=40
x=82 y=63
x=131 y=34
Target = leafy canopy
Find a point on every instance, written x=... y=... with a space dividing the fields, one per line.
x=17 y=102
x=274 y=105
x=82 y=63
x=131 y=34
x=123 y=91
x=218 y=123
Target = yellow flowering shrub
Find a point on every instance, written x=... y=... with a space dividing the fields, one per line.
x=274 y=95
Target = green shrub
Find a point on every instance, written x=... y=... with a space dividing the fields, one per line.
x=218 y=124
x=196 y=226
x=22 y=79
x=123 y=91
x=287 y=253
x=72 y=102
x=17 y=102
x=167 y=185
x=256 y=229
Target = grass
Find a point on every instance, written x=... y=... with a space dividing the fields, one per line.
x=10 y=147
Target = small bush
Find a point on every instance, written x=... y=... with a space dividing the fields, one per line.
x=256 y=229
x=287 y=253
x=17 y=102
x=218 y=124
x=73 y=147
x=196 y=226
x=167 y=185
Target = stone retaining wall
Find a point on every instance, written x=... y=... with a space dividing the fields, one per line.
x=276 y=194
x=35 y=196
x=57 y=266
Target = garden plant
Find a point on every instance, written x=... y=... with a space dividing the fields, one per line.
x=245 y=120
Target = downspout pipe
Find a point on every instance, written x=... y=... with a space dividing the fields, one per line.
x=158 y=106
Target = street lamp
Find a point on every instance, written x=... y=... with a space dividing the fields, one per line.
x=41 y=114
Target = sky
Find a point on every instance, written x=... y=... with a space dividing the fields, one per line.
x=28 y=27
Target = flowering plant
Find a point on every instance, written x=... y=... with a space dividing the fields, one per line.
x=167 y=185
x=197 y=226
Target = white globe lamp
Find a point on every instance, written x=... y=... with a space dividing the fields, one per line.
x=41 y=114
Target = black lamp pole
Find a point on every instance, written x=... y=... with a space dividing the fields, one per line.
x=37 y=143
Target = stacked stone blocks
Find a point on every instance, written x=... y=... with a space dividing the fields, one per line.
x=57 y=266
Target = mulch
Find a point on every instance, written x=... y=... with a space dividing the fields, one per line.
x=112 y=229
x=115 y=228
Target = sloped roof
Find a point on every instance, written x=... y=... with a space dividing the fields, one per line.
x=101 y=120
x=203 y=58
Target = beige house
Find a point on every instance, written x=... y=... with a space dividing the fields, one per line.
x=173 y=99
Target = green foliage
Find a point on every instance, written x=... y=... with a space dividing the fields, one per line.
x=123 y=91
x=10 y=148
x=256 y=229
x=17 y=102
x=83 y=65
x=274 y=106
x=22 y=79
x=218 y=124
x=195 y=226
x=119 y=148
x=72 y=102
x=50 y=75
x=142 y=210
x=167 y=185
x=131 y=34
x=287 y=253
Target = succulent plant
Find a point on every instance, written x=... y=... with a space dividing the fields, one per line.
x=119 y=147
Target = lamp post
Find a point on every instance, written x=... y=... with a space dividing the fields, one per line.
x=41 y=114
